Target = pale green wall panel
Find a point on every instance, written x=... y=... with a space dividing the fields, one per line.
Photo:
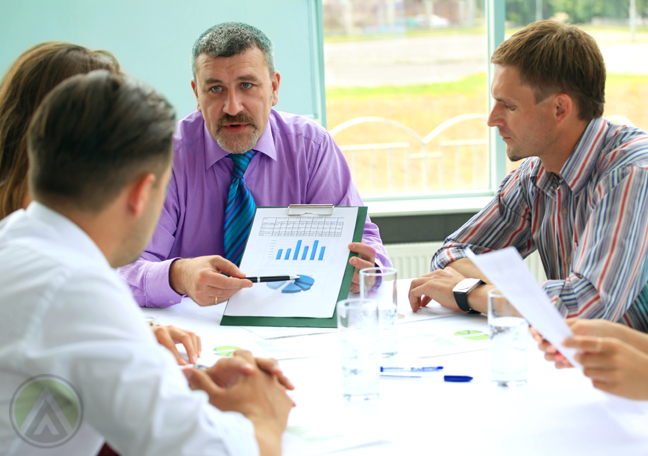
x=152 y=39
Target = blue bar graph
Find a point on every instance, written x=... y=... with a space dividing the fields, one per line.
x=287 y=255
x=305 y=252
x=279 y=254
x=321 y=257
x=297 y=250
x=314 y=250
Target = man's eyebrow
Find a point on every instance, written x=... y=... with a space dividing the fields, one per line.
x=248 y=77
x=213 y=81
x=503 y=100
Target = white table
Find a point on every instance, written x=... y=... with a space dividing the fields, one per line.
x=557 y=413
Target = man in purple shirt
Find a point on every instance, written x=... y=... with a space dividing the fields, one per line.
x=294 y=161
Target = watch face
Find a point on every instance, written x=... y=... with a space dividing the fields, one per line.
x=465 y=285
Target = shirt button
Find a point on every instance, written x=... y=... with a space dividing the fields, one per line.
x=568 y=260
x=563 y=211
x=170 y=302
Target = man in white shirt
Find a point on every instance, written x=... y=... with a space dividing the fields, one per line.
x=78 y=365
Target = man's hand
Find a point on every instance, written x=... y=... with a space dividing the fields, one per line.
x=366 y=259
x=591 y=328
x=614 y=366
x=258 y=396
x=437 y=286
x=168 y=336
x=201 y=279
x=227 y=371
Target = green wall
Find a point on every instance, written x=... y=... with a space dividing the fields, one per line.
x=153 y=39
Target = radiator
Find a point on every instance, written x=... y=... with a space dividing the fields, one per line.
x=413 y=260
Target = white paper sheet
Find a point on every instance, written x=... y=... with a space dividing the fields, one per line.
x=301 y=347
x=507 y=271
x=314 y=432
x=273 y=332
x=311 y=246
x=459 y=334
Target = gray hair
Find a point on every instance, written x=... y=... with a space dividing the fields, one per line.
x=231 y=38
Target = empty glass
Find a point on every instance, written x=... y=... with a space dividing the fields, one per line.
x=359 y=348
x=379 y=284
x=509 y=335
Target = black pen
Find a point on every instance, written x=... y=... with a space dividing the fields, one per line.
x=271 y=278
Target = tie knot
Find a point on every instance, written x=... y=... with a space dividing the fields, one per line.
x=241 y=162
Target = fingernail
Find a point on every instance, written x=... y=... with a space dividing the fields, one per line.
x=194 y=359
x=188 y=373
x=248 y=366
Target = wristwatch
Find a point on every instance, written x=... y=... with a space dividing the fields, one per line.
x=461 y=291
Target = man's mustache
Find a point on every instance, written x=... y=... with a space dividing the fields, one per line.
x=239 y=118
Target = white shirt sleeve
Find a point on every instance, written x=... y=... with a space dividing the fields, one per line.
x=132 y=390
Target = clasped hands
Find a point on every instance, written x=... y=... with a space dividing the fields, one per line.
x=203 y=279
x=254 y=387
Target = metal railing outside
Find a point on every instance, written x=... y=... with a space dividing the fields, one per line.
x=424 y=155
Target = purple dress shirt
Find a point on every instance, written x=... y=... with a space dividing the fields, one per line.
x=298 y=163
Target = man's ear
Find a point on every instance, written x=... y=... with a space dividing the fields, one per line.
x=275 y=80
x=563 y=108
x=195 y=91
x=140 y=192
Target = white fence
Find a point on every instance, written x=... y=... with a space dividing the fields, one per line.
x=386 y=151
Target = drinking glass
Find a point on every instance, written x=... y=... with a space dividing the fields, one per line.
x=359 y=348
x=379 y=284
x=509 y=336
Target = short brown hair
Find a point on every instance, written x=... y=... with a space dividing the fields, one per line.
x=558 y=58
x=92 y=135
x=32 y=76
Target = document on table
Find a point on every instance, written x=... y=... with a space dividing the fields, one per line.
x=316 y=433
x=447 y=336
x=312 y=247
x=301 y=347
x=507 y=271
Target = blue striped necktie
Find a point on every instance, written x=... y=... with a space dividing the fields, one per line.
x=239 y=211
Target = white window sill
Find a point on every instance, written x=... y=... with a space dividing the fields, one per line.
x=432 y=206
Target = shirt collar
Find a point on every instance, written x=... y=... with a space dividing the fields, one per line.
x=68 y=233
x=214 y=152
x=577 y=169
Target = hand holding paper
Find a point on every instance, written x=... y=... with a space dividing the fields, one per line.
x=506 y=270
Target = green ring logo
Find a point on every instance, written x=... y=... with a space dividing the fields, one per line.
x=46 y=411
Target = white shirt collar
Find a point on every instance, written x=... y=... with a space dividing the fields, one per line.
x=68 y=233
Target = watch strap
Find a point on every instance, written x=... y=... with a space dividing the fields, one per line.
x=462 y=300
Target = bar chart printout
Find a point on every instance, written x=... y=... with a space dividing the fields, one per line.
x=312 y=247
x=299 y=251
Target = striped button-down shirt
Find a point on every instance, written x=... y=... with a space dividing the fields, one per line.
x=589 y=225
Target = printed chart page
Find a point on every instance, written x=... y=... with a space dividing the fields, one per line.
x=312 y=247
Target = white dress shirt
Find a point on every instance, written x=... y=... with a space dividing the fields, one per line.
x=65 y=312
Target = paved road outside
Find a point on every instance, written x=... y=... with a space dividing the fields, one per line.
x=423 y=60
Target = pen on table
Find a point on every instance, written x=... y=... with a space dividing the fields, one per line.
x=446 y=378
x=410 y=369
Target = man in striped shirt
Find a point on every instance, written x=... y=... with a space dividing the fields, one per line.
x=580 y=198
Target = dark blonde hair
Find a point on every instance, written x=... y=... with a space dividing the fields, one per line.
x=29 y=79
x=558 y=58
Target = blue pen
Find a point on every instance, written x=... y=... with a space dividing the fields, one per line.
x=411 y=369
x=446 y=378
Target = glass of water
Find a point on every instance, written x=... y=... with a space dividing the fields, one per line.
x=379 y=284
x=509 y=336
x=359 y=348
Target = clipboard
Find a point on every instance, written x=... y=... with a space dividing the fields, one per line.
x=331 y=322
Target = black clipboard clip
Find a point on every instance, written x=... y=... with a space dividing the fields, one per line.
x=322 y=210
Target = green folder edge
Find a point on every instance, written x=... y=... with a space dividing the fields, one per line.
x=304 y=321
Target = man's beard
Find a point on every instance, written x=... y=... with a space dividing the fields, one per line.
x=237 y=143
